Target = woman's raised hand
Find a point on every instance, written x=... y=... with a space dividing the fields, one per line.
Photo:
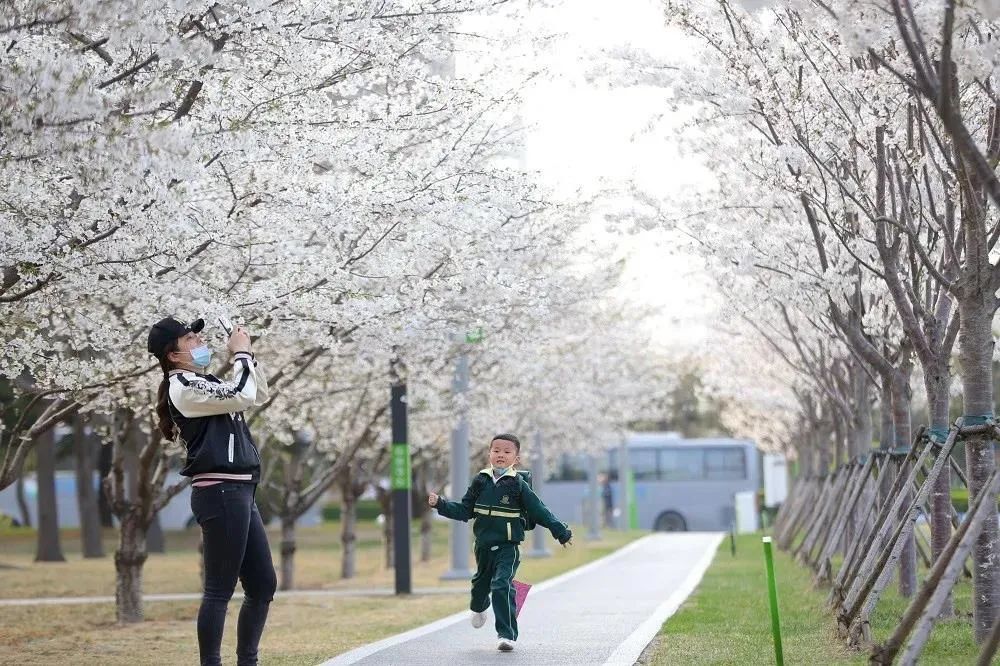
x=239 y=341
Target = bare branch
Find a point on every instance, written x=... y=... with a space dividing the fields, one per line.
x=129 y=72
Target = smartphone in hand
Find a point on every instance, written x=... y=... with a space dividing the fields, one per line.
x=227 y=325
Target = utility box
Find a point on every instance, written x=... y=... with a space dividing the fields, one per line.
x=775 y=479
x=746 y=512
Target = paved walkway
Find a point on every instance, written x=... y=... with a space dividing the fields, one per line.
x=605 y=612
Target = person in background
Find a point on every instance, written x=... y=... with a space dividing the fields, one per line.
x=608 y=500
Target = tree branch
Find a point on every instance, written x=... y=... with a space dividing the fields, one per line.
x=129 y=72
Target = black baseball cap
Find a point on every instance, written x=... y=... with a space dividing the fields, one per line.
x=167 y=330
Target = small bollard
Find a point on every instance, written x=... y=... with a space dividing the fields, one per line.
x=732 y=538
x=772 y=591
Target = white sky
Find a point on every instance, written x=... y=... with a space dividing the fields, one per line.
x=583 y=134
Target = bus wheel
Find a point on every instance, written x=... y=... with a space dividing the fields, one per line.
x=670 y=521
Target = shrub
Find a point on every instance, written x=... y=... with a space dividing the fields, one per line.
x=960 y=499
x=367 y=510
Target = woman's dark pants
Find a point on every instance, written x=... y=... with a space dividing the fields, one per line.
x=235 y=547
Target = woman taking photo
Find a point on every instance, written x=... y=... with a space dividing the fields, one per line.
x=222 y=461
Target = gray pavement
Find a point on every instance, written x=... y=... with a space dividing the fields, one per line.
x=604 y=612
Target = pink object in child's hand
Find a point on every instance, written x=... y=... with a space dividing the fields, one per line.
x=520 y=593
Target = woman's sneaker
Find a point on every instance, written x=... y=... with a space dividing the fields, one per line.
x=478 y=619
x=505 y=645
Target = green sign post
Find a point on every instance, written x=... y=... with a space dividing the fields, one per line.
x=633 y=509
x=772 y=593
x=400 y=481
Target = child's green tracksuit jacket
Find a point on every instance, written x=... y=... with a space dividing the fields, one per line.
x=496 y=505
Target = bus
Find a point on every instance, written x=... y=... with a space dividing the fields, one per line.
x=680 y=484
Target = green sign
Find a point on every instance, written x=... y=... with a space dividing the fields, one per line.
x=475 y=336
x=399 y=470
x=633 y=507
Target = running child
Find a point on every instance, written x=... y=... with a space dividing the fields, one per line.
x=495 y=499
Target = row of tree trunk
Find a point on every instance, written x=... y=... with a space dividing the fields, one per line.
x=94 y=507
x=127 y=465
x=882 y=494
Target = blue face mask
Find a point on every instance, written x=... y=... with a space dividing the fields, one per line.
x=201 y=356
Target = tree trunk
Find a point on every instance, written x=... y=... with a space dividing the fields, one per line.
x=105 y=459
x=862 y=414
x=287 y=552
x=839 y=451
x=426 y=532
x=130 y=463
x=936 y=384
x=887 y=436
x=86 y=493
x=422 y=512
x=805 y=461
x=348 y=532
x=824 y=445
x=129 y=560
x=975 y=354
x=860 y=435
x=49 y=548
x=902 y=396
x=22 y=502
x=156 y=541
x=134 y=513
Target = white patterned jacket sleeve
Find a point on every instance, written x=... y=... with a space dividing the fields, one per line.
x=194 y=395
x=263 y=392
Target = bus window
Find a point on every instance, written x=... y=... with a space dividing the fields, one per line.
x=572 y=467
x=643 y=464
x=725 y=464
x=682 y=464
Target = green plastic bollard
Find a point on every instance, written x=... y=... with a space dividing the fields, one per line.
x=773 y=595
x=633 y=507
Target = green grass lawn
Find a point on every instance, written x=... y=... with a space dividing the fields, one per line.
x=726 y=620
x=299 y=630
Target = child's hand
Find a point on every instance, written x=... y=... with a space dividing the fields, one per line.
x=569 y=542
x=432 y=499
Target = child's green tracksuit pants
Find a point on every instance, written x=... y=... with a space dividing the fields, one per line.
x=494 y=578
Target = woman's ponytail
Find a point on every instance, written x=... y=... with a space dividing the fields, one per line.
x=166 y=425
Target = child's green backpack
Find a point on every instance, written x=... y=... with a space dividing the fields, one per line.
x=529 y=524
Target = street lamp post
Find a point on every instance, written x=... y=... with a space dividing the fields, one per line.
x=538 y=536
x=460 y=460
x=460 y=471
